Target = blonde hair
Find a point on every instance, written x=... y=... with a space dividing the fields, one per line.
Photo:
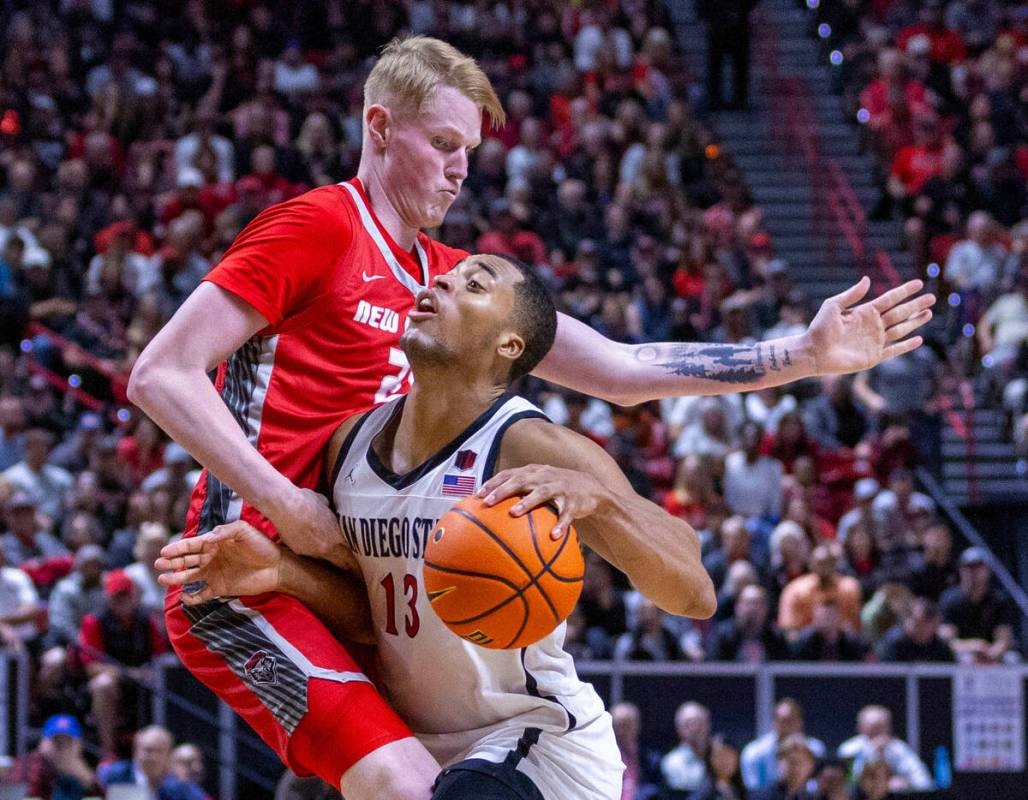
x=410 y=68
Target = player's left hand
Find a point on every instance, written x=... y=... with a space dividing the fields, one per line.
x=233 y=560
x=845 y=337
x=575 y=494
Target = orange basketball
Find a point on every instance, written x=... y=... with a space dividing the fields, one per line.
x=499 y=581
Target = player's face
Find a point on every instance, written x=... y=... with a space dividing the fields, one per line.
x=463 y=318
x=426 y=159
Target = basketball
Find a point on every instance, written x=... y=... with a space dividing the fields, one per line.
x=499 y=581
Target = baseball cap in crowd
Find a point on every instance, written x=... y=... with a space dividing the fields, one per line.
x=974 y=555
x=117 y=582
x=777 y=266
x=865 y=489
x=62 y=725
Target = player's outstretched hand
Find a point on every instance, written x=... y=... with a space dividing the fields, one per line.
x=845 y=337
x=575 y=494
x=310 y=528
x=233 y=560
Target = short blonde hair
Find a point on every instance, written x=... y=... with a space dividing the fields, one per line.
x=410 y=68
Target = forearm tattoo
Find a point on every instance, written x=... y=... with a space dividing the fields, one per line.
x=725 y=363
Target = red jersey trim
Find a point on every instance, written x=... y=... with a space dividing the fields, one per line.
x=409 y=263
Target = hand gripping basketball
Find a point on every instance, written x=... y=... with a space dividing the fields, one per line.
x=575 y=494
x=499 y=580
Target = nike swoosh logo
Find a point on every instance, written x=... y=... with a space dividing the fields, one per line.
x=370 y=278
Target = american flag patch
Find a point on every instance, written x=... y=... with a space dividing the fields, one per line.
x=458 y=485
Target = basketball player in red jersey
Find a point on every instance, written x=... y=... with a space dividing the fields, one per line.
x=303 y=315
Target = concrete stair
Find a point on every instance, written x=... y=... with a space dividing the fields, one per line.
x=976 y=469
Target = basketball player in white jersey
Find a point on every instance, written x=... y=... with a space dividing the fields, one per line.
x=506 y=724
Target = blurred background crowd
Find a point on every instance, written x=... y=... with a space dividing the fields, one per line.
x=941 y=90
x=138 y=139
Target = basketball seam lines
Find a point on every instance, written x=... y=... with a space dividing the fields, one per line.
x=519 y=594
x=547 y=565
x=533 y=580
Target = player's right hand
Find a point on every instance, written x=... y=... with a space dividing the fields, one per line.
x=233 y=560
x=310 y=528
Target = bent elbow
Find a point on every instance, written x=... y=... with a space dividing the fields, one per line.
x=139 y=382
x=705 y=602
x=625 y=400
x=700 y=602
x=695 y=602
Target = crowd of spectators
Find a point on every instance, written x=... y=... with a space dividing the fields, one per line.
x=137 y=144
x=941 y=89
x=785 y=763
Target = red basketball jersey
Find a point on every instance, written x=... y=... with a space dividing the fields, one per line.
x=335 y=289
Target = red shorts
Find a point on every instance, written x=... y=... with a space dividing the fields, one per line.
x=281 y=670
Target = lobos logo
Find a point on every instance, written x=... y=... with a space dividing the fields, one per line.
x=261 y=668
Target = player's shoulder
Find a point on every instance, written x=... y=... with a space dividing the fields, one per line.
x=536 y=440
x=339 y=443
x=328 y=205
x=321 y=216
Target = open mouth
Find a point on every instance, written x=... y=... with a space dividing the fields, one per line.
x=424 y=306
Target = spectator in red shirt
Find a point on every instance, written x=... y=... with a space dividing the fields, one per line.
x=891 y=74
x=143 y=451
x=947 y=47
x=918 y=163
x=115 y=645
x=276 y=188
x=506 y=237
x=790 y=442
x=693 y=492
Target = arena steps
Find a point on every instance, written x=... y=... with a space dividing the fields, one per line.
x=978 y=464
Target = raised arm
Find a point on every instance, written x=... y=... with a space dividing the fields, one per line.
x=170 y=384
x=658 y=552
x=842 y=338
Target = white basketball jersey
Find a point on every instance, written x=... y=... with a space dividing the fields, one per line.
x=461 y=700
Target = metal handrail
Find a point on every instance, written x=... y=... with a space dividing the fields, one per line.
x=764 y=676
x=118 y=379
x=949 y=508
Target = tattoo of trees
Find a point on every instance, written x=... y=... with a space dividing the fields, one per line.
x=724 y=363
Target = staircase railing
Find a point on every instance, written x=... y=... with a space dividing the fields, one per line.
x=837 y=213
x=968 y=531
x=118 y=379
